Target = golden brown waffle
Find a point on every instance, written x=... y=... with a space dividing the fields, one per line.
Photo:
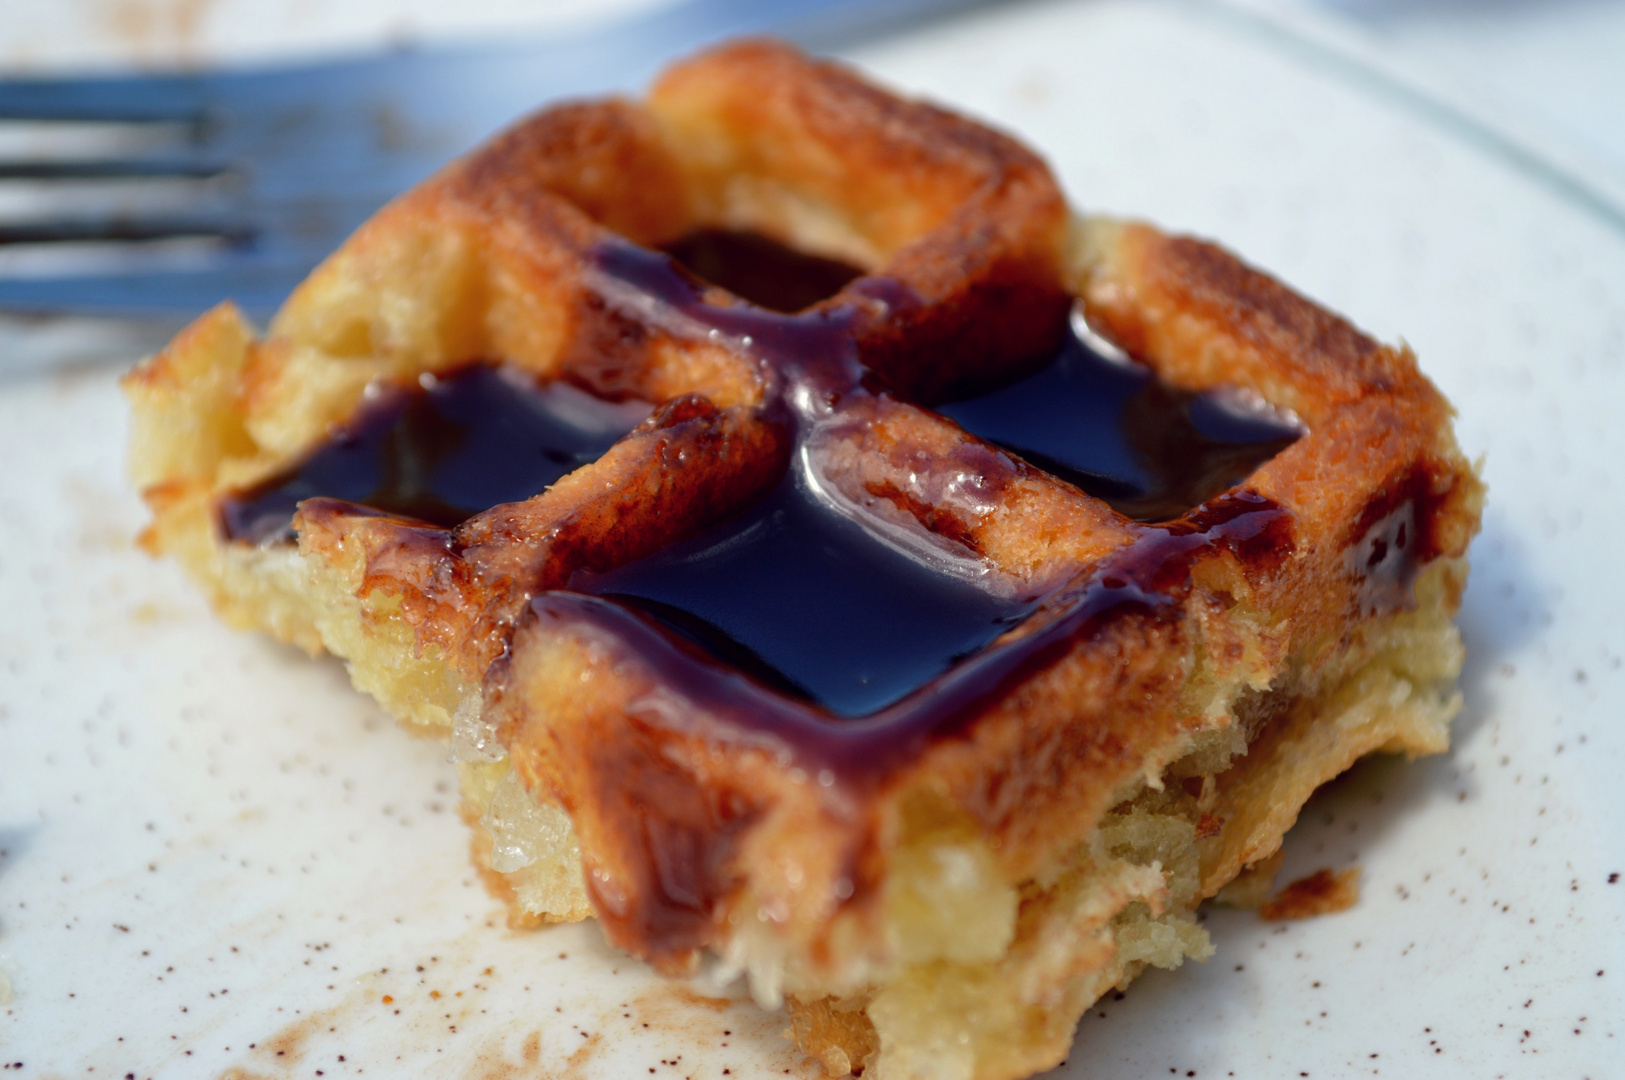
x=942 y=883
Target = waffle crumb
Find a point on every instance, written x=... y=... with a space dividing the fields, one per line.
x=1321 y=893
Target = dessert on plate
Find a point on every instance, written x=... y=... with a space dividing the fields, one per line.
x=832 y=560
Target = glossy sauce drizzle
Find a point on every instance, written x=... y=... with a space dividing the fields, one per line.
x=810 y=604
x=757 y=269
x=809 y=613
x=1099 y=421
x=1149 y=576
x=441 y=451
x=801 y=623
x=823 y=618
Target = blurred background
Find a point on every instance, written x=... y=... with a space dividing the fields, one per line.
x=1538 y=84
x=1553 y=66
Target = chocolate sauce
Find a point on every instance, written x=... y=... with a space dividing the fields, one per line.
x=1148 y=578
x=1111 y=428
x=798 y=627
x=812 y=604
x=763 y=271
x=442 y=451
x=809 y=607
x=812 y=349
x=825 y=618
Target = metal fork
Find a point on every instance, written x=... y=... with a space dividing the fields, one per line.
x=234 y=184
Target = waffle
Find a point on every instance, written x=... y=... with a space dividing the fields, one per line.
x=814 y=664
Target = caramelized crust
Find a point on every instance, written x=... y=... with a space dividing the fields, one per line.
x=460 y=590
x=942 y=887
x=960 y=224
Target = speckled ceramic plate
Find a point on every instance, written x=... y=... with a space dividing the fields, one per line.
x=215 y=858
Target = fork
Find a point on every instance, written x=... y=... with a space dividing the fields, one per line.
x=236 y=183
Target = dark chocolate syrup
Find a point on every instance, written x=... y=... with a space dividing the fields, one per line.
x=812 y=604
x=818 y=611
x=1148 y=577
x=810 y=351
x=793 y=626
x=1110 y=427
x=805 y=613
x=796 y=630
x=761 y=270
x=442 y=451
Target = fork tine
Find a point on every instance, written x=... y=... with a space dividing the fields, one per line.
x=174 y=263
x=105 y=99
x=122 y=230
x=115 y=169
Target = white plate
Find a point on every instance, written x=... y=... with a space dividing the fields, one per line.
x=214 y=855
